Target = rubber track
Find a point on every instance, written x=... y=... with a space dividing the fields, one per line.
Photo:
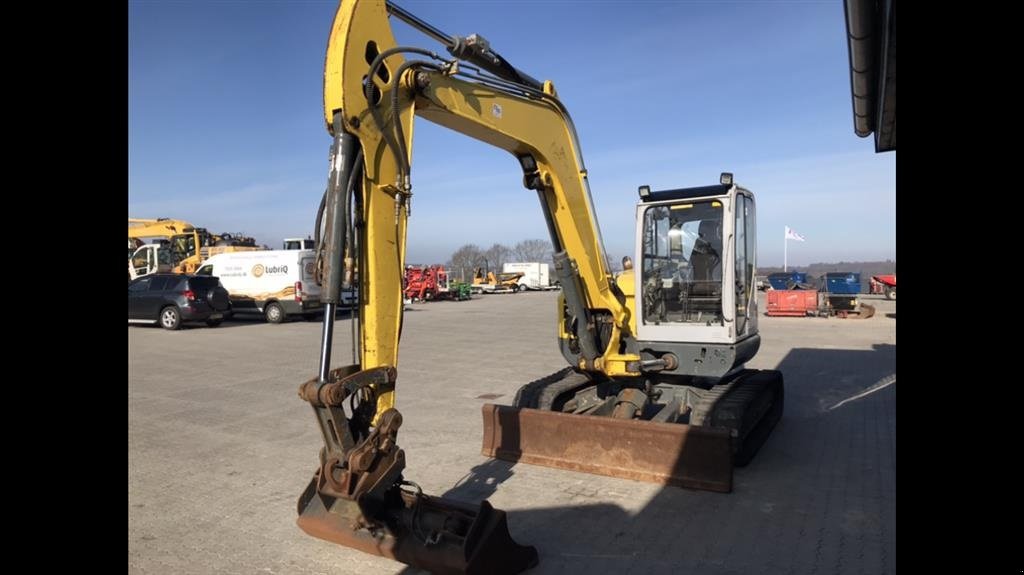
x=729 y=405
x=541 y=393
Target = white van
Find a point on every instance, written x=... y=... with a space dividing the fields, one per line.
x=275 y=283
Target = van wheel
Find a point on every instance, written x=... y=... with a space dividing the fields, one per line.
x=170 y=318
x=274 y=313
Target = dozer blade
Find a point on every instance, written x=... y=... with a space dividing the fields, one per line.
x=430 y=533
x=666 y=453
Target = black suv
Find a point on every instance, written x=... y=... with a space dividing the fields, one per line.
x=170 y=299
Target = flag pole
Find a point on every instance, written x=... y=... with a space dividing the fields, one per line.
x=785 y=251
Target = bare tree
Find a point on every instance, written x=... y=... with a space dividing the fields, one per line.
x=533 y=251
x=464 y=260
x=497 y=255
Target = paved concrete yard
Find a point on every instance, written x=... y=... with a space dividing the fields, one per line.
x=220 y=446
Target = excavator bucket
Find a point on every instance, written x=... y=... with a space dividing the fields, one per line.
x=437 y=535
x=668 y=453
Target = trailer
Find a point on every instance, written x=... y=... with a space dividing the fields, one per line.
x=841 y=296
x=884 y=284
x=536 y=275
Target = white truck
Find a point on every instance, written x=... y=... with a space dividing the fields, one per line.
x=298 y=244
x=535 y=275
x=274 y=283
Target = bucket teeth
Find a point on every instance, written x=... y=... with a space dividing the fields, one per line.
x=430 y=533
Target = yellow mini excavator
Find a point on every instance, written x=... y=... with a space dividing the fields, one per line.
x=655 y=388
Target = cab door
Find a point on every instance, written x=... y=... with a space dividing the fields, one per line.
x=144 y=262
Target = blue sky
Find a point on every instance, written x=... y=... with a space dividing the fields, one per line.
x=225 y=125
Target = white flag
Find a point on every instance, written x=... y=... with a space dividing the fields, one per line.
x=792 y=235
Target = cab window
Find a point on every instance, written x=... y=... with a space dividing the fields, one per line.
x=681 y=264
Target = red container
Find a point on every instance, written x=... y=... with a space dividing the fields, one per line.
x=797 y=303
x=889 y=280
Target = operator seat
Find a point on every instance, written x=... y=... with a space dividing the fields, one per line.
x=705 y=259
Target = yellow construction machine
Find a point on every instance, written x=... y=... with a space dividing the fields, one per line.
x=491 y=283
x=181 y=246
x=656 y=387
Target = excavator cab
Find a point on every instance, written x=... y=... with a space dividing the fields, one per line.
x=686 y=265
